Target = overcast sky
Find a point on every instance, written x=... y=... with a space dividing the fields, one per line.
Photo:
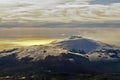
x=56 y=19
x=29 y=18
x=14 y=13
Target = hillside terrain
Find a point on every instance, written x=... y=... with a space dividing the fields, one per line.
x=73 y=55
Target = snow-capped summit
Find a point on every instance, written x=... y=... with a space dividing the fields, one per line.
x=76 y=45
x=75 y=54
x=94 y=50
x=75 y=37
x=80 y=44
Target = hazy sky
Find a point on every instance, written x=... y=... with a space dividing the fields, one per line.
x=13 y=37
x=102 y=34
x=96 y=19
x=23 y=18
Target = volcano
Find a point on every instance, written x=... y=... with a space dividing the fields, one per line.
x=73 y=55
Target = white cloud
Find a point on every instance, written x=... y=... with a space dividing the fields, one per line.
x=58 y=10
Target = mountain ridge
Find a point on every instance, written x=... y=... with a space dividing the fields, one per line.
x=76 y=54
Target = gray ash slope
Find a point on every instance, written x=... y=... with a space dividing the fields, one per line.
x=73 y=55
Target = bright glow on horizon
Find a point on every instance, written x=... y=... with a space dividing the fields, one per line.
x=32 y=42
x=13 y=43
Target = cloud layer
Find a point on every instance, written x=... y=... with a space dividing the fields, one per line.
x=59 y=11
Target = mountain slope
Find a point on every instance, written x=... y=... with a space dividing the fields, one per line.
x=75 y=54
x=78 y=43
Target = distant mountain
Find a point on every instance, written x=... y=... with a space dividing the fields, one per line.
x=73 y=55
x=77 y=44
